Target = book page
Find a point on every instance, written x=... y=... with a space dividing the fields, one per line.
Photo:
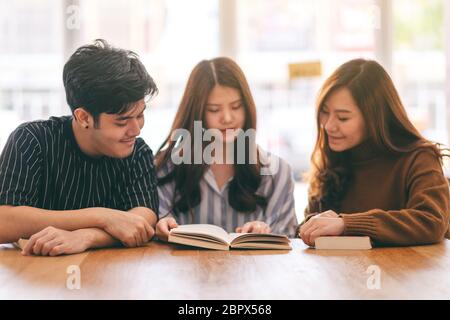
x=259 y=241
x=199 y=230
x=260 y=237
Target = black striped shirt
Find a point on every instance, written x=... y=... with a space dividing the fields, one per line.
x=42 y=166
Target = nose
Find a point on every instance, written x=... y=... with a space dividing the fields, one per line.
x=134 y=128
x=227 y=116
x=330 y=125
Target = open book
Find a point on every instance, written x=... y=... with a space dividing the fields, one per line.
x=343 y=243
x=214 y=237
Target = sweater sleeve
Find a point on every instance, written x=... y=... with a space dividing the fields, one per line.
x=425 y=219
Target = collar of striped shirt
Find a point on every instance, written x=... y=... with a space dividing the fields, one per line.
x=211 y=181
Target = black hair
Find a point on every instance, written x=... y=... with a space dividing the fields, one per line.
x=104 y=79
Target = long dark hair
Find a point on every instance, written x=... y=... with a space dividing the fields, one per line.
x=386 y=121
x=242 y=191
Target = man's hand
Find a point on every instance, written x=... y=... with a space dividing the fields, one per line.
x=164 y=226
x=129 y=228
x=53 y=242
x=254 y=227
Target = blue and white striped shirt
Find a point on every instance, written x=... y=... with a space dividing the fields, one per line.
x=277 y=185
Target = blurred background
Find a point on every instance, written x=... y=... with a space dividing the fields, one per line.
x=285 y=47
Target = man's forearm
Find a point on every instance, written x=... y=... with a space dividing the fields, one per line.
x=97 y=238
x=23 y=221
x=146 y=213
x=100 y=238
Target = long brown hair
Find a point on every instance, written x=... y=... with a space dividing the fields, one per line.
x=386 y=122
x=242 y=191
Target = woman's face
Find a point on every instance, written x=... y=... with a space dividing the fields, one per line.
x=342 y=121
x=225 y=112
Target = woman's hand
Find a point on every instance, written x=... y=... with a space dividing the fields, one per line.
x=325 y=224
x=328 y=214
x=163 y=227
x=254 y=227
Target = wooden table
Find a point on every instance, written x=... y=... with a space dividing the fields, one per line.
x=161 y=271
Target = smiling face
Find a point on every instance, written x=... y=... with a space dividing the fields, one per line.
x=116 y=134
x=342 y=121
x=225 y=111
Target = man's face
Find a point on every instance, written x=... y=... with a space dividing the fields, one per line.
x=116 y=134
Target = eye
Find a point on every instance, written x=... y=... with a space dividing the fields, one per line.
x=324 y=114
x=237 y=107
x=121 y=124
x=343 y=119
x=213 y=110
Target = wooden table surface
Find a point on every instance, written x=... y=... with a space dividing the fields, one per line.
x=161 y=271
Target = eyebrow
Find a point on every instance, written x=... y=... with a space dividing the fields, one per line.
x=218 y=105
x=339 y=110
x=342 y=111
x=122 y=118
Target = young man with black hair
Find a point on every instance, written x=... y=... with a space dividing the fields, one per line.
x=84 y=181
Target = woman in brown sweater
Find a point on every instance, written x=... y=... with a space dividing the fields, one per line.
x=373 y=174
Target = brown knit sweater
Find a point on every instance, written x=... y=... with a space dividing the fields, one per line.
x=395 y=200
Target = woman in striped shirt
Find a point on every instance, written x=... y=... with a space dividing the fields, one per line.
x=229 y=182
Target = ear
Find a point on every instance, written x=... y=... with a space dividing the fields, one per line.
x=83 y=118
